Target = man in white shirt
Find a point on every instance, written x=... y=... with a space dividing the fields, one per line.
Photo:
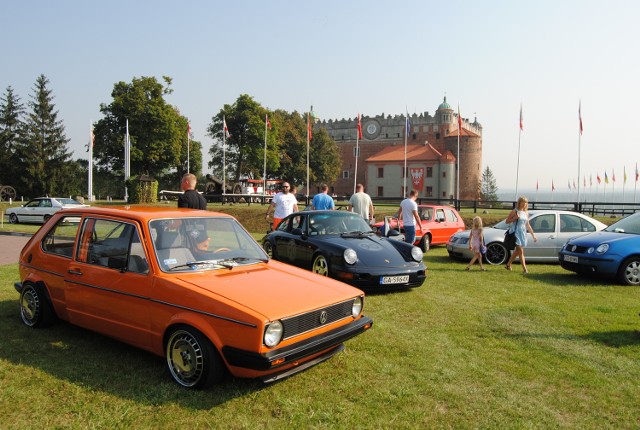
x=284 y=203
x=410 y=218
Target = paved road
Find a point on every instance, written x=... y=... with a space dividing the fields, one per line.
x=10 y=247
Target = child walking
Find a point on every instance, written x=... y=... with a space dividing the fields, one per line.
x=476 y=243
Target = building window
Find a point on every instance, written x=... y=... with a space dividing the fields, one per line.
x=429 y=172
x=444 y=174
x=444 y=194
x=437 y=135
x=345 y=174
x=414 y=136
x=380 y=191
x=380 y=172
x=398 y=134
x=356 y=152
x=429 y=191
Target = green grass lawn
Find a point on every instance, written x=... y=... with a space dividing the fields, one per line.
x=493 y=349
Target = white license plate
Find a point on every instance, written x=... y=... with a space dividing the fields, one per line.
x=570 y=258
x=387 y=280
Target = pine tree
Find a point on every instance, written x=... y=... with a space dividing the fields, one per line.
x=11 y=131
x=489 y=189
x=44 y=152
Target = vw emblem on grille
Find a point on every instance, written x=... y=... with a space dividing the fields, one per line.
x=573 y=248
x=323 y=317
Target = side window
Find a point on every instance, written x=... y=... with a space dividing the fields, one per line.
x=587 y=226
x=451 y=217
x=439 y=215
x=296 y=222
x=544 y=223
x=61 y=237
x=570 y=224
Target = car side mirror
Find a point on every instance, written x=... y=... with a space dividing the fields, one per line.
x=393 y=232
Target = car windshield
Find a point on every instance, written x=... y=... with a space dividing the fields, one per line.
x=502 y=225
x=629 y=225
x=325 y=223
x=69 y=202
x=187 y=244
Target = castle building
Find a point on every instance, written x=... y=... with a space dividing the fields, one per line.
x=431 y=150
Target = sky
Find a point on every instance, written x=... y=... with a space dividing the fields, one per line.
x=344 y=57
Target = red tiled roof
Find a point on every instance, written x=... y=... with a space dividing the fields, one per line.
x=414 y=153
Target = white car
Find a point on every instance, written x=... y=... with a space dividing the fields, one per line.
x=41 y=209
x=553 y=228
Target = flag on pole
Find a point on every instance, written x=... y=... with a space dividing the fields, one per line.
x=637 y=175
x=459 y=121
x=598 y=178
x=309 y=128
x=359 y=127
x=188 y=129
x=521 y=123
x=569 y=184
x=225 y=128
x=266 y=118
x=553 y=187
x=537 y=185
x=584 y=181
x=574 y=183
x=580 y=115
x=409 y=124
x=591 y=179
x=606 y=178
x=625 y=174
x=613 y=175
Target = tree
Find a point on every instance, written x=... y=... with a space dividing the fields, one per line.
x=157 y=130
x=489 y=189
x=43 y=151
x=11 y=132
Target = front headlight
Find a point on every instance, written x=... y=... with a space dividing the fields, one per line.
x=350 y=256
x=416 y=254
x=464 y=240
x=602 y=248
x=273 y=334
x=356 y=307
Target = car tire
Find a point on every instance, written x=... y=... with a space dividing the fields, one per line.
x=192 y=359
x=35 y=307
x=13 y=219
x=46 y=218
x=425 y=243
x=496 y=254
x=320 y=265
x=629 y=272
x=269 y=249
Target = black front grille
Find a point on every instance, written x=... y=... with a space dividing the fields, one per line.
x=305 y=322
x=578 y=250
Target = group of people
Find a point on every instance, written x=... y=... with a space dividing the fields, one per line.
x=519 y=225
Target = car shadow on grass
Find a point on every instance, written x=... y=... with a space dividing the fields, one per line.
x=84 y=358
x=613 y=339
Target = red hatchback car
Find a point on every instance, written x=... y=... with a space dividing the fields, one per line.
x=439 y=223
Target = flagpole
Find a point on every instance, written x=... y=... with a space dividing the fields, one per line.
x=188 y=141
x=90 y=170
x=224 y=156
x=308 y=139
x=404 y=172
x=355 y=175
x=127 y=161
x=518 y=161
x=264 y=166
x=579 y=144
x=458 y=160
x=636 y=185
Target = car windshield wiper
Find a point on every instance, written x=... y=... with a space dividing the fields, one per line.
x=357 y=233
x=220 y=263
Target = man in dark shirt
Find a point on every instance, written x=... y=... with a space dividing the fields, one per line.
x=191 y=198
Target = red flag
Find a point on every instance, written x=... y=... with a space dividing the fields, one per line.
x=266 y=117
x=459 y=121
x=309 y=129
x=359 y=127
x=521 y=123
x=580 y=115
x=188 y=129
x=613 y=175
x=225 y=129
x=598 y=178
x=637 y=172
x=537 y=185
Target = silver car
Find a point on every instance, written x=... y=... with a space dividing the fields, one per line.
x=553 y=228
x=41 y=209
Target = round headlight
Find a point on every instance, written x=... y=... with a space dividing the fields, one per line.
x=416 y=254
x=273 y=334
x=356 y=307
x=602 y=248
x=350 y=256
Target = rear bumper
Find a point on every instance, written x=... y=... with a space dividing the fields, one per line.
x=298 y=351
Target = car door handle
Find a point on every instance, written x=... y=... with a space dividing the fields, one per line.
x=553 y=236
x=74 y=272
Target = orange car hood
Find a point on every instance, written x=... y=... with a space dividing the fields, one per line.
x=274 y=289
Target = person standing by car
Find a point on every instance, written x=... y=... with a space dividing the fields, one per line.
x=190 y=198
x=476 y=242
x=322 y=200
x=284 y=203
x=361 y=204
x=520 y=215
x=410 y=218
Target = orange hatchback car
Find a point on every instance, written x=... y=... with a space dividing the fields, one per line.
x=191 y=286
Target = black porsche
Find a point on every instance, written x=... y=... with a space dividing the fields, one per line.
x=343 y=246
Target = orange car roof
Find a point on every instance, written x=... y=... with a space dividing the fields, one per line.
x=145 y=213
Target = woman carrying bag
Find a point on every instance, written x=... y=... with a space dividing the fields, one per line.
x=520 y=216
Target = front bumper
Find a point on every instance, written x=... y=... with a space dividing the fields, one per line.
x=298 y=351
x=361 y=279
x=604 y=266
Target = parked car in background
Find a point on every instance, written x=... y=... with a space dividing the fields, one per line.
x=438 y=224
x=191 y=286
x=343 y=246
x=553 y=228
x=614 y=252
x=39 y=210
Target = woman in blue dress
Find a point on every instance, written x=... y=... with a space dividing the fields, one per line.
x=519 y=217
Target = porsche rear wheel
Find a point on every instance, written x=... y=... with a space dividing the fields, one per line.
x=320 y=265
x=192 y=359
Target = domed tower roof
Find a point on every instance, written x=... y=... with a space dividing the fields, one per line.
x=444 y=104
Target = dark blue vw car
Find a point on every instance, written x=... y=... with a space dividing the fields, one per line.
x=614 y=251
